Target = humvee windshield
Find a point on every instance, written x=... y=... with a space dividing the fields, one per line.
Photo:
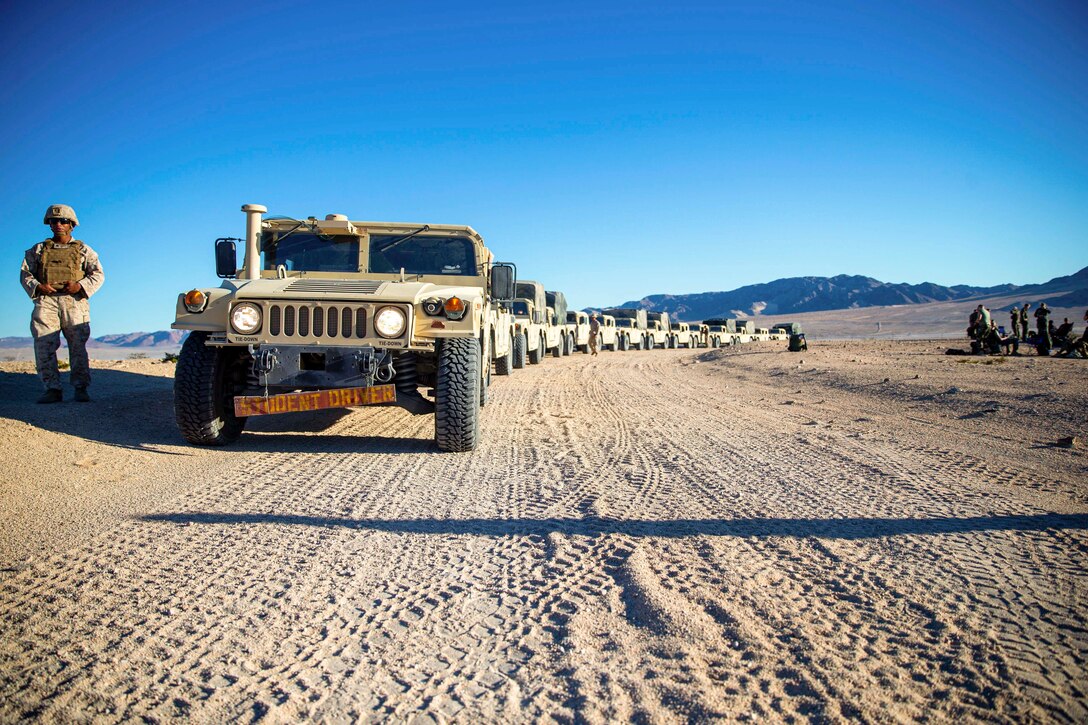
x=521 y=308
x=572 y=317
x=421 y=254
x=310 y=252
x=625 y=322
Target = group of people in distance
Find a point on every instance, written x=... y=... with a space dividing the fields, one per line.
x=987 y=337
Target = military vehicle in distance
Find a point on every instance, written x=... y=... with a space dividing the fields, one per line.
x=530 y=319
x=687 y=334
x=579 y=322
x=557 y=301
x=658 y=330
x=630 y=327
x=608 y=333
x=720 y=331
x=337 y=313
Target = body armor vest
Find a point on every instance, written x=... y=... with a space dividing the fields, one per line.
x=62 y=263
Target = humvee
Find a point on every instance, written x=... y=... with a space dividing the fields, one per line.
x=530 y=313
x=608 y=333
x=579 y=323
x=687 y=335
x=720 y=331
x=557 y=301
x=630 y=327
x=338 y=313
x=658 y=330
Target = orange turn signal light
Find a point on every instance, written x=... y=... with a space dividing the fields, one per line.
x=455 y=304
x=195 y=300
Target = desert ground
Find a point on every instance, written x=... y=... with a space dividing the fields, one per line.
x=865 y=531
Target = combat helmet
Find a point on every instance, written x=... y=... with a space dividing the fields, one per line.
x=60 y=211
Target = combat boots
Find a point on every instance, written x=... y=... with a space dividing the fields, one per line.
x=52 y=395
x=81 y=395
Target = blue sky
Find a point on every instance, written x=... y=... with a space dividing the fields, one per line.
x=611 y=150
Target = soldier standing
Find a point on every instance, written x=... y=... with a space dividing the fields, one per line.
x=60 y=274
x=1024 y=319
x=594 y=332
x=1015 y=319
x=1042 y=322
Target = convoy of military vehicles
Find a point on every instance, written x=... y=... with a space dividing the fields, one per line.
x=327 y=313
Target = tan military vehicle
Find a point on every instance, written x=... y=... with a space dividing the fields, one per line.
x=530 y=320
x=555 y=333
x=686 y=335
x=578 y=322
x=630 y=327
x=745 y=331
x=700 y=334
x=338 y=313
x=608 y=333
x=720 y=331
x=659 y=331
x=557 y=301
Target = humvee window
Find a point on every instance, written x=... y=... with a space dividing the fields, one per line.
x=572 y=317
x=305 y=251
x=625 y=322
x=422 y=255
x=521 y=308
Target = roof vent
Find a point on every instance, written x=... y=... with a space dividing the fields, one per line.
x=336 y=218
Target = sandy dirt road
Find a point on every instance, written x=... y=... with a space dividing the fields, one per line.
x=872 y=532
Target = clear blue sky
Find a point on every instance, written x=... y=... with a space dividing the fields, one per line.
x=611 y=150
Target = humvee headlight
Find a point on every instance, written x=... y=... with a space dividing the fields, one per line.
x=245 y=318
x=455 y=308
x=390 y=322
x=432 y=306
x=195 y=300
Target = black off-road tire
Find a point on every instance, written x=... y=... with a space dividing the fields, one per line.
x=204 y=388
x=623 y=343
x=505 y=365
x=457 y=394
x=557 y=351
x=520 y=345
x=537 y=356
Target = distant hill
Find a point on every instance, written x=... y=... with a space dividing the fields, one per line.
x=817 y=294
x=163 y=339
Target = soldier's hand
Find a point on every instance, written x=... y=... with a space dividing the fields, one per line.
x=73 y=287
x=44 y=288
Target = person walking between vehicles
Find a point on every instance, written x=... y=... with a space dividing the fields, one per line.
x=594 y=333
x=1042 y=324
x=1014 y=318
x=60 y=274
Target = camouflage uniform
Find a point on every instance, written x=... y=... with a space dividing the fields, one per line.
x=1042 y=320
x=594 y=333
x=1015 y=319
x=61 y=313
x=1024 y=319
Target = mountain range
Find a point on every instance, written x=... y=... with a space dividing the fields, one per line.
x=815 y=294
x=787 y=296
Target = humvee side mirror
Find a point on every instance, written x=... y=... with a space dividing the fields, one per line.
x=226 y=258
x=503 y=278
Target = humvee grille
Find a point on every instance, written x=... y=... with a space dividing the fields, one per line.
x=346 y=321
x=337 y=286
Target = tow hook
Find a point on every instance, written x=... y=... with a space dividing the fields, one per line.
x=385 y=372
x=265 y=360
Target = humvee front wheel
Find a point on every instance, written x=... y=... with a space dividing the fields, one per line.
x=520 y=345
x=622 y=342
x=505 y=365
x=457 y=394
x=537 y=356
x=204 y=389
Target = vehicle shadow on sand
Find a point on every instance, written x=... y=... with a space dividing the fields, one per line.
x=135 y=410
x=833 y=528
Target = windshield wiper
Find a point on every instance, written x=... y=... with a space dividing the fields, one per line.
x=405 y=238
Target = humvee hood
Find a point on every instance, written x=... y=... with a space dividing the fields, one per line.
x=371 y=290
